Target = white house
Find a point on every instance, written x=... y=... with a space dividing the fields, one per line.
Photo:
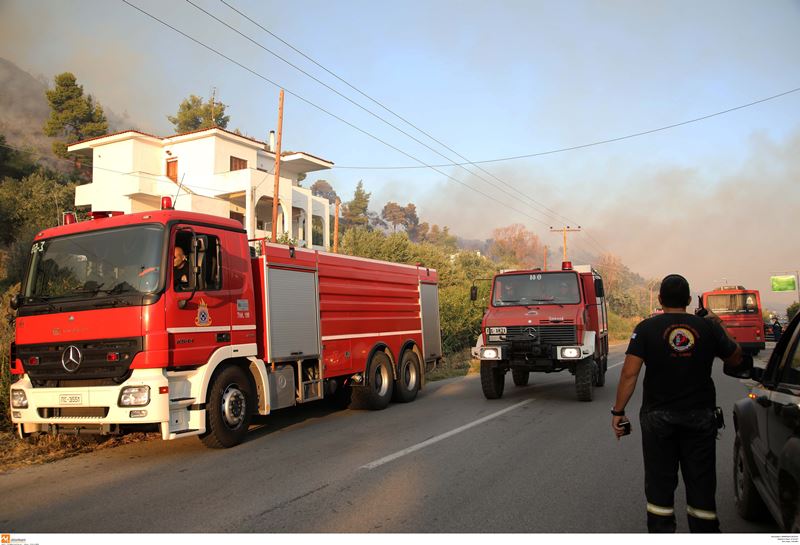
x=213 y=171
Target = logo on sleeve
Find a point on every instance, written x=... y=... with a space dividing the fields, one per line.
x=680 y=339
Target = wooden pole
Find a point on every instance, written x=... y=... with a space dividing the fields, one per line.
x=276 y=186
x=336 y=228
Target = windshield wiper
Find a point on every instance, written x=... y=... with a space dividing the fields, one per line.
x=43 y=299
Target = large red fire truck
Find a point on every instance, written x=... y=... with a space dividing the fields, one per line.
x=110 y=338
x=740 y=312
x=545 y=321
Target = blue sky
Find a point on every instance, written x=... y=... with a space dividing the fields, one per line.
x=492 y=80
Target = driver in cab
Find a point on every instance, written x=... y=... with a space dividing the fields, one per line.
x=180 y=268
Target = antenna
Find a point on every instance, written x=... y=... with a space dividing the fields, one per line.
x=175 y=200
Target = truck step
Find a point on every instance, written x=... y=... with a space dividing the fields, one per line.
x=181 y=403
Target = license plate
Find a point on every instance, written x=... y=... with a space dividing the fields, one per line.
x=70 y=399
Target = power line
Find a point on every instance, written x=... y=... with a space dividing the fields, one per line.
x=553 y=213
x=591 y=144
x=328 y=112
x=370 y=112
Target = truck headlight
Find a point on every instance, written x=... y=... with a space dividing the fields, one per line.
x=18 y=399
x=490 y=353
x=570 y=352
x=134 y=396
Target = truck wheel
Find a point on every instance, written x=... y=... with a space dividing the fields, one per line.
x=520 y=376
x=408 y=378
x=228 y=409
x=602 y=367
x=584 y=379
x=493 y=380
x=375 y=395
x=748 y=502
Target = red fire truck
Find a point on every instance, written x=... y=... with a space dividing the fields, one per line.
x=545 y=321
x=740 y=312
x=110 y=338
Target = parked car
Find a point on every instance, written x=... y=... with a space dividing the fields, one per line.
x=766 y=450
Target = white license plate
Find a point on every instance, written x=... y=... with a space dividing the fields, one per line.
x=70 y=399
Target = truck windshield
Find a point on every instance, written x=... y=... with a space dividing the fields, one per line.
x=100 y=263
x=733 y=303
x=536 y=289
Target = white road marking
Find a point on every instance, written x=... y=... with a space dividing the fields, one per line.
x=615 y=365
x=432 y=440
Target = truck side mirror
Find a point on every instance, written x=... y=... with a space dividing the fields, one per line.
x=743 y=370
x=16 y=301
x=598 y=288
x=473 y=293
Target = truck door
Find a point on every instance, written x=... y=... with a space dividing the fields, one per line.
x=198 y=314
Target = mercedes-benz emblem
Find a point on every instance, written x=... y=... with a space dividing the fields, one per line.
x=531 y=332
x=71 y=358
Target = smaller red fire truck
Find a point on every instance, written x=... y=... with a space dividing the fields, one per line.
x=545 y=321
x=740 y=312
x=114 y=331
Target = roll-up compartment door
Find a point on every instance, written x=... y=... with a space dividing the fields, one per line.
x=431 y=331
x=293 y=314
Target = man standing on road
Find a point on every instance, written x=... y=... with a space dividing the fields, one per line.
x=776 y=330
x=677 y=417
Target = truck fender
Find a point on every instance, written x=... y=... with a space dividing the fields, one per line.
x=202 y=379
x=588 y=347
x=261 y=379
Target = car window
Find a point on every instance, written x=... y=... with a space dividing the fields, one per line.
x=791 y=364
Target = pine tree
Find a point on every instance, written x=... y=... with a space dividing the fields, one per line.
x=194 y=114
x=73 y=116
x=354 y=212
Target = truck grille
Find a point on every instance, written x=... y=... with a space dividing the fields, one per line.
x=94 y=365
x=545 y=334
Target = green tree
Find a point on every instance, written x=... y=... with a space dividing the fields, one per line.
x=73 y=116
x=354 y=212
x=791 y=310
x=194 y=114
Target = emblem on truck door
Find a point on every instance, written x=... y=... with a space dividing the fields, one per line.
x=203 y=317
x=71 y=358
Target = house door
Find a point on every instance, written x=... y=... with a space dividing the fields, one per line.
x=172 y=169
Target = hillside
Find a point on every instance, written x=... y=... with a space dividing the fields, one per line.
x=24 y=110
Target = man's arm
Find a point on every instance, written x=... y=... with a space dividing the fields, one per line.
x=625 y=388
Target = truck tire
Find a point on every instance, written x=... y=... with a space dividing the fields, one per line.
x=493 y=380
x=585 y=379
x=602 y=367
x=228 y=408
x=408 y=378
x=748 y=501
x=377 y=392
x=520 y=376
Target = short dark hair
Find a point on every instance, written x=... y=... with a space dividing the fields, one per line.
x=674 y=291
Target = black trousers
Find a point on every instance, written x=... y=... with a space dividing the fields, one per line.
x=672 y=439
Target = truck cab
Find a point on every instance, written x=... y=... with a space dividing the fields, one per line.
x=545 y=321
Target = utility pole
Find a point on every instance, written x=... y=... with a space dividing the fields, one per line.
x=544 y=267
x=276 y=186
x=566 y=230
x=336 y=228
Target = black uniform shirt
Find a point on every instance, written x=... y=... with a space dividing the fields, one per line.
x=181 y=271
x=678 y=351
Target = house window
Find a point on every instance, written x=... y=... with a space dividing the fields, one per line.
x=238 y=164
x=172 y=169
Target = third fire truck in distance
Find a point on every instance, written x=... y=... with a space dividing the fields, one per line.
x=112 y=334
x=740 y=311
x=545 y=321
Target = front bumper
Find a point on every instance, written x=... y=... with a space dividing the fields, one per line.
x=564 y=353
x=90 y=407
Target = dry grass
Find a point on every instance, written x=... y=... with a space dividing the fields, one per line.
x=455 y=365
x=16 y=452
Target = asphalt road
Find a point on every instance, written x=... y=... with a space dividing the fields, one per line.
x=535 y=461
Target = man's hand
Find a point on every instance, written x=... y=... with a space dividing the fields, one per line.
x=616 y=422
